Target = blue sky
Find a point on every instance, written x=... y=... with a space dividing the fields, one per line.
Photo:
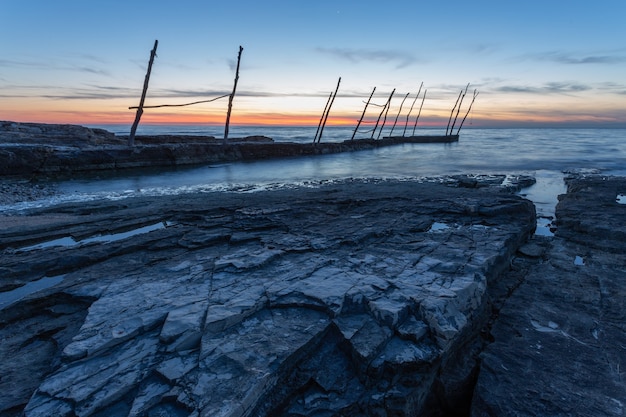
x=534 y=63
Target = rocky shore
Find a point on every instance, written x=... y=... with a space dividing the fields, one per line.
x=379 y=299
x=353 y=298
x=559 y=340
x=375 y=298
x=34 y=150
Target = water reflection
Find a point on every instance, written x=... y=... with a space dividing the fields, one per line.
x=10 y=297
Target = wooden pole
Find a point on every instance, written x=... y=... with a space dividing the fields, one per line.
x=362 y=115
x=378 y=120
x=452 y=112
x=398 y=115
x=232 y=95
x=319 y=138
x=381 y=114
x=133 y=129
x=406 y=123
x=388 y=106
x=419 y=112
x=468 y=112
x=459 y=109
x=319 y=125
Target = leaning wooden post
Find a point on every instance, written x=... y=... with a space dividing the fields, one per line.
x=381 y=114
x=363 y=115
x=468 y=112
x=319 y=125
x=419 y=112
x=398 y=115
x=459 y=109
x=319 y=138
x=406 y=123
x=232 y=95
x=388 y=106
x=452 y=112
x=133 y=129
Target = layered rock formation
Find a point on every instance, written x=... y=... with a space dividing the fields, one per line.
x=349 y=299
x=560 y=341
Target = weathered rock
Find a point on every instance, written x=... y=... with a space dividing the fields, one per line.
x=59 y=134
x=560 y=339
x=345 y=299
x=30 y=150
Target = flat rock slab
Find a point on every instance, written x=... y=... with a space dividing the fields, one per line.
x=344 y=299
x=560 y=339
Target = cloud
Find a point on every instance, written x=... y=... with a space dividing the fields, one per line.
x=251 y=93
x=109 y=92
x=90 y=92
x=402 y=59
x=612 y=87
x=573 y=59
x=89 y=70
x=548 y=88
x=52 y=66
x=482 y=48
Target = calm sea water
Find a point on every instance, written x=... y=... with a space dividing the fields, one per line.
x=544 y=153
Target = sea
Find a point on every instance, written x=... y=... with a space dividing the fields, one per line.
x=546 y=154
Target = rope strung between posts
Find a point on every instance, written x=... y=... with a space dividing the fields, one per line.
x=181 y=105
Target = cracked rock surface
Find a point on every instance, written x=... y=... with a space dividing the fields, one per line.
x=559 y=344
x=347 y=299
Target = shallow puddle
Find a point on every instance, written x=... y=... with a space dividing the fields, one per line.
x=544 y=194
x=545 y=226
x=69 y=241
x=437 y=227
x=9 y=297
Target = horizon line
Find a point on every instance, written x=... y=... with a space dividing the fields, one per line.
x=340 y=122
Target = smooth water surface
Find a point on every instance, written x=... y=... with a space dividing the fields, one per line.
x=544 y=153
x=9 y=297
x=69 y=241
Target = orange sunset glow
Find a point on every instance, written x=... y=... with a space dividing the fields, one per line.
x=86 y=73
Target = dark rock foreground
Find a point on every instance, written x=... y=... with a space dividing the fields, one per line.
x=348 y=299
x=559 y=342
x=374 y=299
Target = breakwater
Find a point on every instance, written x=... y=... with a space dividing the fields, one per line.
x=29 y=150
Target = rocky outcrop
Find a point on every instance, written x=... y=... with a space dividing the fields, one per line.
x=30 y=150
x=348 y=299
x=559 y=342
x=61 y=135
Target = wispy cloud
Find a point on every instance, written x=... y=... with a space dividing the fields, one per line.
x=110 y=92
x=612 y=87
x=250 y=93
x=401 y=59
x=52 y=66
x=548 y=88
x=483 y=48
x=612 y=58
x=89 y=92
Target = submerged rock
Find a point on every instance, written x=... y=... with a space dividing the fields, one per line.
x=337 y=300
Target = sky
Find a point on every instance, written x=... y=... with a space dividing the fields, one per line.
x=547 y=63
